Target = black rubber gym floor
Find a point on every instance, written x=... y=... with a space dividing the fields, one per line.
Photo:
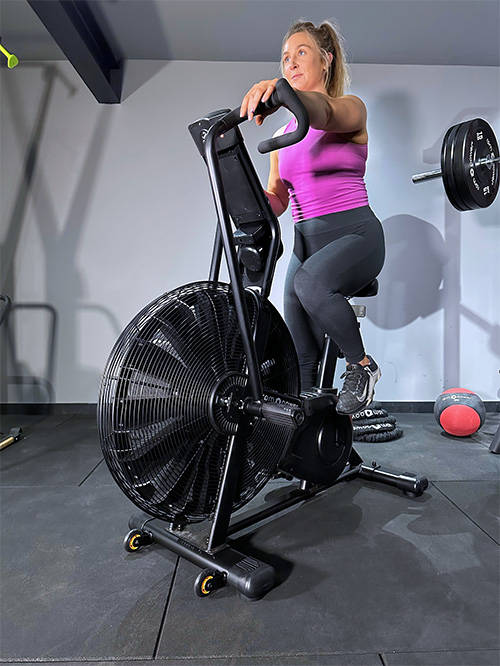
x=368 y=576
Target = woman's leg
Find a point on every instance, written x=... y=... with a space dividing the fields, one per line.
x=322 y=284
x=307 y=336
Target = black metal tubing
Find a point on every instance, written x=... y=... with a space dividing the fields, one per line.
x=228 y=485
x=495 y=442
x=295 y=496
x=263 y=213
x=215 y=175
x=283 y=95
x=328 y=363
x=73 y=26
x=216 y=256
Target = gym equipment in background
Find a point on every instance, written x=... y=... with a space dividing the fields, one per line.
x=495 y=442
x=199 y=404
x=459 y=412
x=14 y=436
x=469 y=169
x=375 y=424
x=12 y=60
x=469 y=165
x=15 y=433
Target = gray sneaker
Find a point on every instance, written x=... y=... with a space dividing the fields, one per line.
x=359 y=385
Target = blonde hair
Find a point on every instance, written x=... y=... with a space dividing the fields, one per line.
x=328 y=39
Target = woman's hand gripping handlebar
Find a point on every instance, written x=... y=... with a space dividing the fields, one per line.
x=282 y=95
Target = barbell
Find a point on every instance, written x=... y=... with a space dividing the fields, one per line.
x=469 y=165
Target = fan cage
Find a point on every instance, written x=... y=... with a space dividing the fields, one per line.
x=155 y=409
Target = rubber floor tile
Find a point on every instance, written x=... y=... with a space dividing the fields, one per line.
x=447 y=658
x=59 y=451
x=100 y=476
x=427 y=450
x=24 y=421
x=363 y=569
x=480 y=500
x=69 y=589
x=292 y=660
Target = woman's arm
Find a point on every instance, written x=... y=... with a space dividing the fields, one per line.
x=276 y=191
x=343 y=115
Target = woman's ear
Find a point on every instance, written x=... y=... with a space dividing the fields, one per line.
x=329 y=55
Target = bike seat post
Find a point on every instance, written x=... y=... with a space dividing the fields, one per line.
x=328 y=363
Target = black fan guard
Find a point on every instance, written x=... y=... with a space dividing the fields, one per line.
x=163 y=438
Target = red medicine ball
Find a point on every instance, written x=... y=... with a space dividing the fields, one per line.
x=459 y=412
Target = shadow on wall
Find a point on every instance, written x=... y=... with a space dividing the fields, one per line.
x=411 y=280
x=137 y=73
x=28 y=387
x=422 y=273
x=59 y=244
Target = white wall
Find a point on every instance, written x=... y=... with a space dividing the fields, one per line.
x=105 y=207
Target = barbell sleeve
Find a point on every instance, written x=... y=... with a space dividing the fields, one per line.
x=487 y=161
x=437 y=173
x=428 y=175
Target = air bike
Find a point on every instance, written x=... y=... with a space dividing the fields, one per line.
x=200 y=405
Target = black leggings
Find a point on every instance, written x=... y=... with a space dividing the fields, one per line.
x=334 y=256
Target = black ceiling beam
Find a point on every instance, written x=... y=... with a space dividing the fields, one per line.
x=76 y=31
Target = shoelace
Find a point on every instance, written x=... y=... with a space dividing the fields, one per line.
x=353 y=378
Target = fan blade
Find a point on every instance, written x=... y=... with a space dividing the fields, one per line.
x=134 y=442
x=233 y=345
x=173 y=330
x=180 y=474
x=212 y=315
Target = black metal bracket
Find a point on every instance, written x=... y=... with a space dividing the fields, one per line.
x=74 y=27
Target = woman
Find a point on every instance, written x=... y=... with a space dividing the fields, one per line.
x=339 y=243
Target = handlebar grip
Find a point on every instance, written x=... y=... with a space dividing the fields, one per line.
x=284 y=95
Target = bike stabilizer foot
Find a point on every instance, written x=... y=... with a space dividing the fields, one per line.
x=409 y=483
x=249 y=576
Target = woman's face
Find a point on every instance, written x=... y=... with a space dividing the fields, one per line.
x=303 y=66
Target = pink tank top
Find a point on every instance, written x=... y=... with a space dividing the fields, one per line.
x=323 y=173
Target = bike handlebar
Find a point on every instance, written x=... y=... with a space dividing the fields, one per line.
x=282 y=95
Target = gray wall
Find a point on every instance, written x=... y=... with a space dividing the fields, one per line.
x=105 y=207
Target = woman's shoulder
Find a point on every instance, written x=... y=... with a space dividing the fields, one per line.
x=353 y=99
